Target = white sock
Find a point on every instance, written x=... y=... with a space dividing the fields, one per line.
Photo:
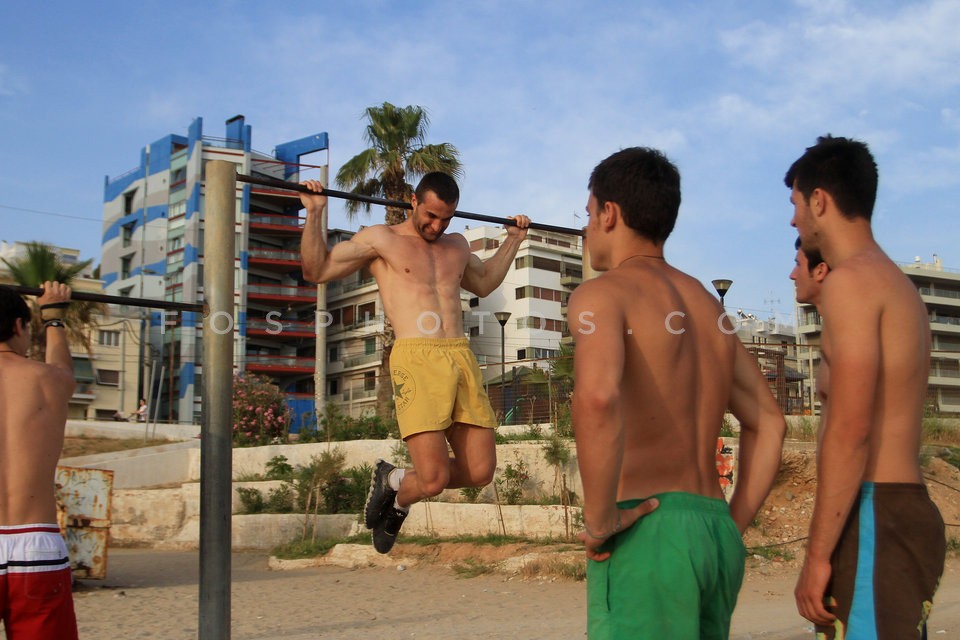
x=395 y=478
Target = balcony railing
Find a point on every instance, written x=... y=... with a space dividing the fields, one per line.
x=282 y=291
x=287 y=222
x=279 y=362
x=339 y=287
x=284 y=255
x=358 y=361
x=359 y=394
x=277 y=327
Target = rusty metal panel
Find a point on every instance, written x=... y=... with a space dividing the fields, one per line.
x=83 y=513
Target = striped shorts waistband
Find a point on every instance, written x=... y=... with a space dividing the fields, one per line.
x=18 y=529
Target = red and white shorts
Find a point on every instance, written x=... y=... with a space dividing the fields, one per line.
x=35 y=582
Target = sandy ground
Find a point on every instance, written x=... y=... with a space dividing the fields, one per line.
x=154 y=594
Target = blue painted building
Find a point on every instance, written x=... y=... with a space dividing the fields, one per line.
x=152 y=247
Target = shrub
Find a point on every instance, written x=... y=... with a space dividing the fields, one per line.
x=260 y=412
x=251 y=499
x=513 y=480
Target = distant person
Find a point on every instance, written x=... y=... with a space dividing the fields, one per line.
x=657 y=364
x=35 y=578
x=438 y=389
x=141 y=412
x=876 y=548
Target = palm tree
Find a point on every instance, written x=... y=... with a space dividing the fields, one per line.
x=41 y=264
x=397 y=152
x=398 y=155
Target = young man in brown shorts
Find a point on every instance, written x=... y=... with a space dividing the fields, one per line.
x=877 y=545
x=439 y=395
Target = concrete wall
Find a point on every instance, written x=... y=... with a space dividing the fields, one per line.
x=156 y=497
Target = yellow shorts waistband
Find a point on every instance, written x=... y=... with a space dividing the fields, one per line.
x=443 y=343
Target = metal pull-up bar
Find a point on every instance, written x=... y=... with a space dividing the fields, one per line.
x=122 y=300
x=294 y=186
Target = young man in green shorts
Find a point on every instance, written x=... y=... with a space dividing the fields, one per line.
x=657 y=363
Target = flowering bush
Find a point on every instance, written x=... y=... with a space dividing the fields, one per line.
x=260 y=412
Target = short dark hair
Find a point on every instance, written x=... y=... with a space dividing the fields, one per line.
x=813 y=256
x=645 y=184
x=441 y=184
x=842 y=167
x=12 y=307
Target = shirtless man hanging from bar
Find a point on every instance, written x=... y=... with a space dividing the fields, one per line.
x=440 y=400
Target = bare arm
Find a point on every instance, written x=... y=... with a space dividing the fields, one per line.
x=482 y=277
x=319 y=264
x=853 y=342
x=762 y=429
x=597 y=326
x=58 y=347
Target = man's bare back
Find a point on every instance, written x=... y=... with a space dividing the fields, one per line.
x=677 y=375
x=33 y=411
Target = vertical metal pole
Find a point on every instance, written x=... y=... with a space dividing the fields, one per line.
x=320 y=364
x=503 y=373
x=216 y=462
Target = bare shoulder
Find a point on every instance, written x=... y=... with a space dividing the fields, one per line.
x=594 y=298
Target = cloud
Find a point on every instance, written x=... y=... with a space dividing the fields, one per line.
x=11 y=84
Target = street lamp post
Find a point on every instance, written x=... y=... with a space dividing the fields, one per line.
x=502 y=317
x=722 y=285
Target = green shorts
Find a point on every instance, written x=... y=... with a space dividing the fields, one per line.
x=674 y=574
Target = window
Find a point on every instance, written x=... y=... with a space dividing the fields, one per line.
x=521 y=354
x=127 y=233
x=474 y=302
x=109 y=338
x=474 y=332
x=125 y=262
x=367 y=311
x=333 y=353
x=128 y=201
x=346 y=314
x=108 y=377
x=333 y=387
x=369 y=346
x=369 y=381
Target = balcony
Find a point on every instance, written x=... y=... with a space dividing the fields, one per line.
x=570 y=281
x=352 y=395
x=280 y=329
x=268 y=224
x=279 y=365
x=945 y=324
x=359 y=361
x=339 y=287
x=282 y=293
x=84 y=393
x=281 y=260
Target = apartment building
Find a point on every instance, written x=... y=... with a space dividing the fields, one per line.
x=939 y=289
x=152 y=247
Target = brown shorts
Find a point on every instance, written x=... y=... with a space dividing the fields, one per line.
x=887 y=564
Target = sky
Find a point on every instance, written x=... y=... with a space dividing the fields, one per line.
x=532 y=94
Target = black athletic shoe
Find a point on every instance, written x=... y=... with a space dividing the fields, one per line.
x=385 y=533
x=381 y=496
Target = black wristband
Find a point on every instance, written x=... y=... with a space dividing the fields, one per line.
x=55 y=305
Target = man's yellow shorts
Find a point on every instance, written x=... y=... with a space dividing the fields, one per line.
x=436 y=382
